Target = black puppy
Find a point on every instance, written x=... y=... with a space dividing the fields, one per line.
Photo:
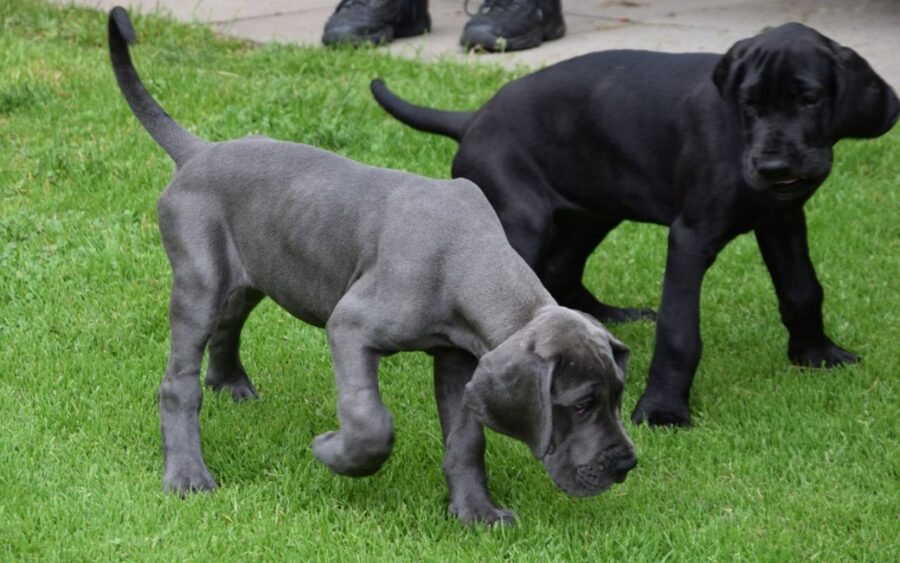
x=711 y=145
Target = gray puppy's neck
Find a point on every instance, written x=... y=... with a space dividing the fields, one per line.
x=501 y=301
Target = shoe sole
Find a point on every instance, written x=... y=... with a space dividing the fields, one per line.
x=354 y=38
x=380 y=37
x=475 y=38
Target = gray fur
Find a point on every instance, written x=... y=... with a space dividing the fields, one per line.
x=385 y=261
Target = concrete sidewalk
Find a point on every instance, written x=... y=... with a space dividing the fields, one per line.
x=872 y=27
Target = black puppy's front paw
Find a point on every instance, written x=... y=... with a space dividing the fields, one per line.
x=659 y=410
x=825 y=354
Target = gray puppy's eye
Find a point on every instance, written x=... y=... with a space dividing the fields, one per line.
x=584 y=405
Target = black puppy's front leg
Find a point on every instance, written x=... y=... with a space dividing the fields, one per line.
x=678 y=345
x=464 y=442
x=783 y=244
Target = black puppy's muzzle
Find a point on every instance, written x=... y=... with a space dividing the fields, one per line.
x=780 y=178
x=774 y=169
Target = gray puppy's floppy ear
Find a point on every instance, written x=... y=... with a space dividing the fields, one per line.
x=620 y=351
x=865 y=105
x=620 y=355
x=510 y=393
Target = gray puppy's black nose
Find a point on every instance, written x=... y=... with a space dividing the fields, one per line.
x=621 y=466
x=772 y=168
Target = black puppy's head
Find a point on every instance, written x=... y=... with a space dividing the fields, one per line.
x=557 y=386
x=797 y=93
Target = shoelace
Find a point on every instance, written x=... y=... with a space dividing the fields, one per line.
x=492 y=5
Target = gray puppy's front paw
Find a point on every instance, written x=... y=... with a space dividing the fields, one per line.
x=188 y=476
x=330 y=449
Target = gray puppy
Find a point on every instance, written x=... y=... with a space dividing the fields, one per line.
x=386 y=261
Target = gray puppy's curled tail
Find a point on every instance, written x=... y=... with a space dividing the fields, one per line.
x=179 y=143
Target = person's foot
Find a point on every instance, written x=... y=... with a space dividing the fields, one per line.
x=513 y=25
x=356 y=22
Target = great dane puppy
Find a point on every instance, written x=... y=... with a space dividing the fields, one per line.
x=711 y=145
x=385 y=261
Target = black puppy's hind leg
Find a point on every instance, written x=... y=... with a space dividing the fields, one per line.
x=525 y=216
x=572 y=242
x=555 y=245
x=464 y=443
x=783 y=244
x=225 y=371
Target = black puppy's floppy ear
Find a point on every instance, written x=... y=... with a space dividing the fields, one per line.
x=726 y=73
x=865 y=105
x=510 y=393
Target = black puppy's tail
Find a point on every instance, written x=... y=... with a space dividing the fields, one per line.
x=453 y=124
x=179 y=143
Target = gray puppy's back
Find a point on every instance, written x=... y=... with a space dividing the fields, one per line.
x=326 y=217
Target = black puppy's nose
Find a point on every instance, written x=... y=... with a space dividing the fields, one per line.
x=772 y=168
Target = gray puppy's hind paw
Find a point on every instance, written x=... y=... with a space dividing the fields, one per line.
x=188 y=478
x=484 y=513
x=238 y=385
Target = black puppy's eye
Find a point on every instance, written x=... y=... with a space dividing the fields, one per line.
x=584 y=405
x=750 y=99
x=751 y=105
x=810 y=100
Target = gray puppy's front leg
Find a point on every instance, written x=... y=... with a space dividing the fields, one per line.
x=366 y=436
x=464 y=442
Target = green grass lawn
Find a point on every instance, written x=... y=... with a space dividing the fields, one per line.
x=782 y=463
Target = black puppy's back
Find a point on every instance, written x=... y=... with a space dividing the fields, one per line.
x=600 y=128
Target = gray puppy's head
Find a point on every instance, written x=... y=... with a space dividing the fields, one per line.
x=557 y=385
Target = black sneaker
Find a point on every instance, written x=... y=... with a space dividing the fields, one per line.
x=376 y=21
x=513 y=25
